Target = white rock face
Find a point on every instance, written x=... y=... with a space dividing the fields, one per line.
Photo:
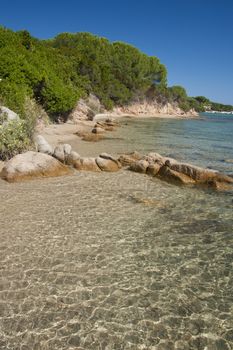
x=31 y=165
x=86 y=109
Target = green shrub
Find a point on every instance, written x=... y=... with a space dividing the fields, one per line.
x=13 y=96
x=14 y=139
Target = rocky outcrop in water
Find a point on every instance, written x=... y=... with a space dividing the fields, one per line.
x=32 y=165
x=98 y=130
x=40 y=164
x=97 y=133
x=173 y=171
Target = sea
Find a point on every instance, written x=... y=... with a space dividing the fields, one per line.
x=122 y=260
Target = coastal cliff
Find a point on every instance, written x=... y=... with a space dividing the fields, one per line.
x=152 y=108
x=91 y=108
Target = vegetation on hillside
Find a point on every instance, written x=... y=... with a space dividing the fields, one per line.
x=57 y=72
x=207 y=105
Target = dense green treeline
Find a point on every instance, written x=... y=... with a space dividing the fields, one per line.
x=57 y=72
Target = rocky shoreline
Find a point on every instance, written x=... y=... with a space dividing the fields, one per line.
x=62 y=160
x=54 y=155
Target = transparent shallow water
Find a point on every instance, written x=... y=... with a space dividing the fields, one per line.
x=115 y=261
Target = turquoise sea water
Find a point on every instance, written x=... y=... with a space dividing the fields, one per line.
x=122 y=260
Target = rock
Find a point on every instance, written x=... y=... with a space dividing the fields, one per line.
x=32 y=165
x=98 y=130
x=109 y=157
x=201 y=176
x=196 y=173
x=108 y=163
x=139 y=166
x=107 y=125
x=7 y=115
x=89 y=136
x=72 y=158
x=94 y=103
x=87 y=164
x=86 y=109
x=61 y=152
x=173 y=176
x=156 y=157
x=42 y=145
x=153 y=169
x=218 y=185
x=128 y=159
x=104 y=125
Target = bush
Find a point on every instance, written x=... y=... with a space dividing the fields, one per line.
x=33 y=113
x=16 y=136
x=13 y=96
x=14 y=139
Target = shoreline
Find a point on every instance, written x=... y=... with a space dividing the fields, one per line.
x=66 y=132
x=100 y=116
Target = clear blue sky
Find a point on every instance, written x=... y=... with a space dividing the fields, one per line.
x=193 y=38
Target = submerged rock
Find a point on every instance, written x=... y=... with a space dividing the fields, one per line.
x=98 y=130
x=32 y=165
x=89 y=136
x=173 y=176
x=196 y=173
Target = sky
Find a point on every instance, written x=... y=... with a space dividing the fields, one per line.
x=193 y=38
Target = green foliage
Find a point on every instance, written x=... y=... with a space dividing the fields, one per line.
x=177 y=93
x=202 y=99
x=14 y=139
x=114 y=72
x=57 y=72
x=221 y=107
x=205 y=104
x=13 y=95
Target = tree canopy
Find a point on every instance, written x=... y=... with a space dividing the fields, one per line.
x=57 y=72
